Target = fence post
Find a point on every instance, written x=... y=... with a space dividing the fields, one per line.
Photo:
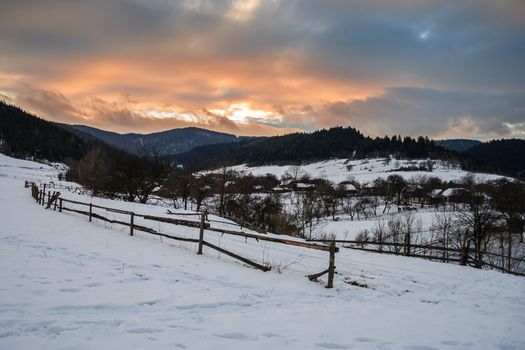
x=48 y=198
x=201 y=232
x=90 y=211
x=43 y=195
x=509 y=254
x=331 y=266
x=464 y=254
x=131 y=223
x=60 y=208
x=407 y=244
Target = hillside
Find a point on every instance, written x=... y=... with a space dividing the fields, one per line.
x=323 y=144
x=365 y=171
x=508 y=155
x=458 y=145
x=160 y=143
x=70 y=283
x=24 y=135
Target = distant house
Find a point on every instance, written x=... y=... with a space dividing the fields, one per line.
x=280 y=189
x=258 y=188
x=286 y=183
x=301 y=186
x=370 y=185
x=369 y=188
x=347 y=187
x=453 y=194
x=436 y=193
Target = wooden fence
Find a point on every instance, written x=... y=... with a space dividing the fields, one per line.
x=429 y=250
x=54 y=200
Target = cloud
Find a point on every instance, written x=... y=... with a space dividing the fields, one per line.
x=127 y=115
x=436 y=113
x=50 y=104
x=296 y=64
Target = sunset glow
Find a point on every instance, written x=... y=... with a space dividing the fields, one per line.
x=269 y=67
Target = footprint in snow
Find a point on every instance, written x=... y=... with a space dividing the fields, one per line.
x=143 y=330
x=365 y=340
x=332 y=346
x=70 y=290
x=236 y=336
x=450 y=342
x=93 y=284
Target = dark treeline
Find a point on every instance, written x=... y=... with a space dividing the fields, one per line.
x=128 y=177
x=323 y=144
x=23 y=135
x=97 y=166
x=507 y=155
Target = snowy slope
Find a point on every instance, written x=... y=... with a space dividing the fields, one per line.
x=365 y=170
x=71 y=284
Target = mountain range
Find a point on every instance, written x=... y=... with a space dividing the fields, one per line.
x=160 y=143
x=27 y=136
x=458 y=145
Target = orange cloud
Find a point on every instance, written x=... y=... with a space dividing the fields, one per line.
x=146 y=93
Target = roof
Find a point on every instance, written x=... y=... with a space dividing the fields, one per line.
x=303 y=185
x=350 y=187
x=452 y=192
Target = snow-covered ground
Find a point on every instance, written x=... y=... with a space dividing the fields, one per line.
x=365 y=170
x=345 y=228
x=70 y=284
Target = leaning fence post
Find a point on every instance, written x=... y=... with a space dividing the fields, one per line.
x=201 y=232
x=331 y=266
x=60 y=208
x=90 y=211
x=132 y=220
x=48 y=198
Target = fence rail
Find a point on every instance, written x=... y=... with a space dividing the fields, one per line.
x=444 y=254
x=56 y=202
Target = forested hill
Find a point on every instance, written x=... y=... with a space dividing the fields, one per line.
x=24 y=135
x=507 y=155
x=160 y=143
x=323 y=144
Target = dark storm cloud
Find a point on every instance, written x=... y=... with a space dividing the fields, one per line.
x=418 y=111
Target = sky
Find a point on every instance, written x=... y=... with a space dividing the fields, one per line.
x=443 y=69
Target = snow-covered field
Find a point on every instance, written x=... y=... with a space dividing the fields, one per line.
x=365 y=170
x=70 y=284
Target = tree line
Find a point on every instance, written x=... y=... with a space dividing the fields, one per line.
x=337 y=142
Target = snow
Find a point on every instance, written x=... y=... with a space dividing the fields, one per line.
x=304 y=186
x=347 y=229
x=350 y=187
x=71 y=284
x=449 y=192
x=366 y=170
x=436 y=193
